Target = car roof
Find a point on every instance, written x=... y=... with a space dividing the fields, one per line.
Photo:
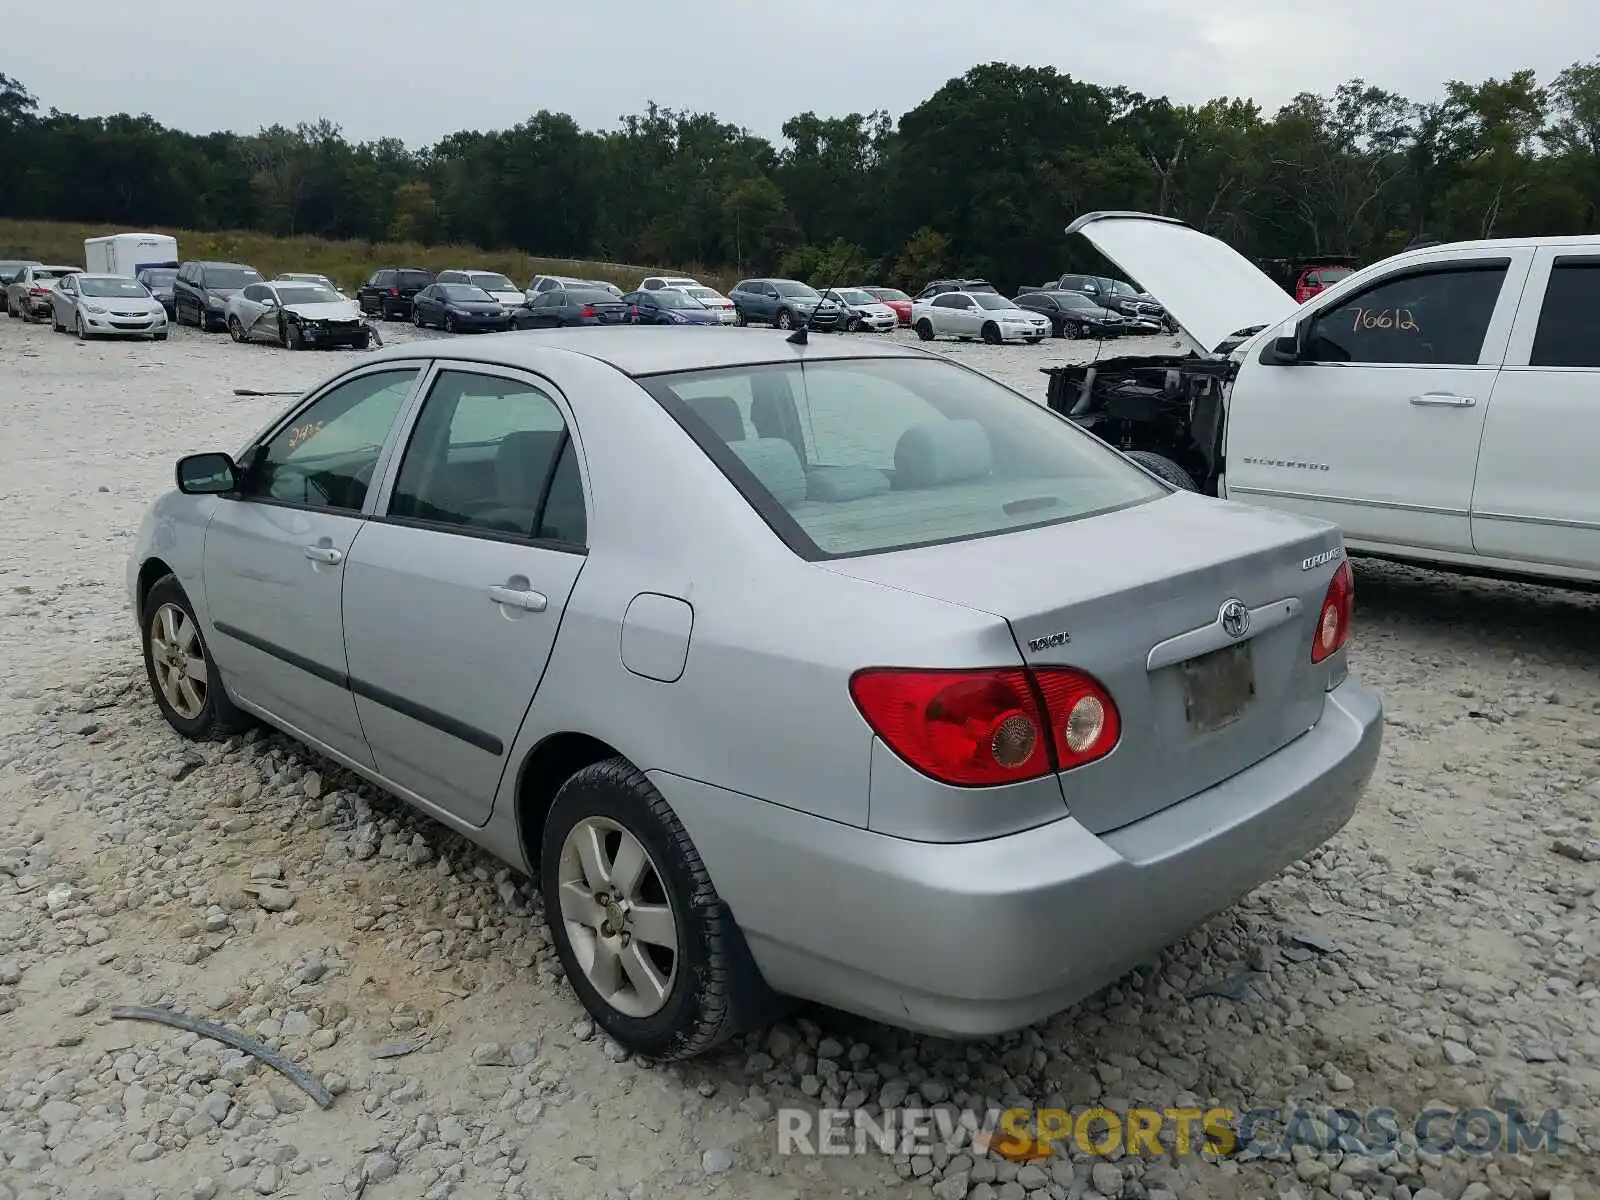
x=209 y=262
x=56 y=267
x=649 y=350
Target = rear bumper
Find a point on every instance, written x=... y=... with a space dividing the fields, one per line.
x=978 y=938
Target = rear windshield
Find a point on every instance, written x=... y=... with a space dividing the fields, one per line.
x=591 y=295
x=416 y=279
x=861 y=456
x=159 y=276
x=1332 y=274
x=236 y=278
x=490 y=282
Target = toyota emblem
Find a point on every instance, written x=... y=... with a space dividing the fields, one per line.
x=1235 y=618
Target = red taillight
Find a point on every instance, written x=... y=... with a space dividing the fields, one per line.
x=38 y=291
x=633 y=310
x=588 y=311
x=394 y=291
x=986 y=727
x=1333 y=622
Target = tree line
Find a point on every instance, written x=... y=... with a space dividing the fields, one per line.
x=981 y=177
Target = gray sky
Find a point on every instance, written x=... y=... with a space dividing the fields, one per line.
x=418 y=70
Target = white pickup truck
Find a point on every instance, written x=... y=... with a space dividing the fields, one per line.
x=1442 y=406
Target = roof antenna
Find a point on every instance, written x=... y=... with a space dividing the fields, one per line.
x=798 y=337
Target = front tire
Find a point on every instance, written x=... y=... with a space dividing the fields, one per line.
x=416 y=318
x=293 y=338
x=449 y=323
x=646 y=942
x=1164 y=468
x=784 y=321
x=991 y=334
x=183 y=680
x=925 y=330
x=83 y=333
x=235 y=330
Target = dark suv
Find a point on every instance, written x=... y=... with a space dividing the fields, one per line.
x=389 y=292
x=201 y=290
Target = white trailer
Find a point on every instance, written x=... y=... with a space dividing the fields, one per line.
x=129 y=253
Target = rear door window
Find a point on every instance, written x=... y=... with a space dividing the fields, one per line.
x=857 y=457
x=1567 y=335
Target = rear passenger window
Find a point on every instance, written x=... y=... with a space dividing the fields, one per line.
x=1568 y=334
x=1434 y=317
x=491 y=455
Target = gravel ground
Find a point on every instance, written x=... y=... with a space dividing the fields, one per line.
x=1441 y=950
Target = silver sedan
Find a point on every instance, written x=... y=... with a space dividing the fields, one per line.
x=106 y=306
x=835 y=671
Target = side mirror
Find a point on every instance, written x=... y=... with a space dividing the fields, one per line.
x=269 y=302
x=209 y=474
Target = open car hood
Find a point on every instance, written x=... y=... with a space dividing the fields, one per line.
x=1207 y=287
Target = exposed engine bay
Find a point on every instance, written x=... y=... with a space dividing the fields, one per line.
x=1169 y=405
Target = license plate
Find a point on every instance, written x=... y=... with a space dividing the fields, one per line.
x=1218 y=687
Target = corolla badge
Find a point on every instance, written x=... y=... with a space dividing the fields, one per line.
x=1235 y=618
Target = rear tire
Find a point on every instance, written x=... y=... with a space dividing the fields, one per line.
x=162 y=336
x=739 y=318
x=991 y=334
x=1164 y=468
x=711 y=989
x=293 y=338
x=55 y=322
x=925 y=330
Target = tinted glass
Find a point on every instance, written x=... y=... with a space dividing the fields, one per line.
x=307 y=294
x=325 y=456
x=863 y=456
x=482 y=456
x=1567 y=334
x=888 y=293
x=231 y=278
x=159 y=276
x=670 y=299
x=1329 y=276
x=465 y=292
x=1437 y=317
x=127 y=288
x=948 y=301
x=413 y=279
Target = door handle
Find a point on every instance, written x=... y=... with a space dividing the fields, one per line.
x=522 y=598
x=323 y=554
x=1442 y=400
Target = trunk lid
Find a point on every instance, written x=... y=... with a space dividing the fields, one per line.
x=1206 y=286
x=1139 y=595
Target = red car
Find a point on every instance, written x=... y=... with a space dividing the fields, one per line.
x=892 y=298
x=1315 y=279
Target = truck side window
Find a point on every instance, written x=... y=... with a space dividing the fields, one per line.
x=1566 y=336
x=1427 y=317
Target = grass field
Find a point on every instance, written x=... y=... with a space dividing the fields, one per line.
x=349 y=264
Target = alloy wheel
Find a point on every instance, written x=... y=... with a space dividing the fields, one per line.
x=618 y=917
x=179 y=659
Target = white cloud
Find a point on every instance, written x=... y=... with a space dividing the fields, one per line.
x=417 y=70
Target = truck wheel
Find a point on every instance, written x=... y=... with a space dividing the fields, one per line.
x=925 y=330
x=991 y=334
x=1164 y=468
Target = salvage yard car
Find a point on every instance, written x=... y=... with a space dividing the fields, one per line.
x=985 y=315
x=106 y=306
x=28 y=294
x=1439 y=405
x=299 y=316
x=459 y=308
x=833 y=670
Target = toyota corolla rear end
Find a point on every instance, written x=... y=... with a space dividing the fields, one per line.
x=1130 y=707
